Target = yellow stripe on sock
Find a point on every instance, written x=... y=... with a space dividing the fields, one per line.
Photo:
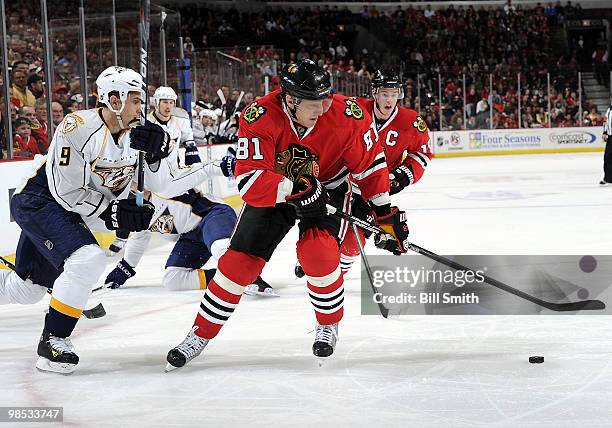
x=64 y=308
x=202 y=278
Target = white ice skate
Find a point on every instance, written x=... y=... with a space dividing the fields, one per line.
x=326 y=337
x=187 y=350
x=259 y=287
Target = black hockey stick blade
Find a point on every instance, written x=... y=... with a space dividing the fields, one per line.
x=584 y=305
x=97 y=311
x=6 y=263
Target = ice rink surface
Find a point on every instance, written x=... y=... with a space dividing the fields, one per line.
x=451 y=371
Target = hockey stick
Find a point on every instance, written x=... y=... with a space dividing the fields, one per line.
x=6 y=263
x=238 y=101
x=145 y=6
x=223 y=105
x=97 y=311
x=383 y=311
x=584 y=305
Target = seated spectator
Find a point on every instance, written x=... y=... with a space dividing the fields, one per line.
x=60 y=93
x=24 y=145
x=19 y=89
x=57 y=113
x=38 y=132
x=35 y=85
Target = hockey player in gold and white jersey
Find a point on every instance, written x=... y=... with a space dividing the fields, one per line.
x=204 y=225
x=175 y=121
x=82 y=186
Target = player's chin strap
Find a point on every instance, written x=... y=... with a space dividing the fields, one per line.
x=132 y=124
x=379 y=110
x=292 y=111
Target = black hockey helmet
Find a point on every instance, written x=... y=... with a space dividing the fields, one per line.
x=386 y=79
x=305 y=80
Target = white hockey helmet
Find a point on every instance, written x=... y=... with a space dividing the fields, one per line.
x=208 y=113
x=164 y=93
x=121 y=80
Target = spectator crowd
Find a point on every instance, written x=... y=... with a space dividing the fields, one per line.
x=461 y=65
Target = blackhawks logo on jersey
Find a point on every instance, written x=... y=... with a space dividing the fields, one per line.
x=116 y=179
x=71 y=122
x=253 y=113
x=353 y=110
x=420 y=124
x=295 y=162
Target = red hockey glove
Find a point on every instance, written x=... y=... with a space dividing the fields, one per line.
x=393 y=222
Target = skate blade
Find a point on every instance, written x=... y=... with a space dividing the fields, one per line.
x=253 y=290
x=170 y=368
x=45 y=365
x=322 y=361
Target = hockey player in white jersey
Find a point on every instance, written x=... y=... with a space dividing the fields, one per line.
x=80 y=187
x=205 y=225
x=205 y=228
x=175 y=122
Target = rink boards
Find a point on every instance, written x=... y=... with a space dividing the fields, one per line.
x=516 y=141
x=444 y=144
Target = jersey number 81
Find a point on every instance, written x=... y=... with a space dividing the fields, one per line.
x=242 y=151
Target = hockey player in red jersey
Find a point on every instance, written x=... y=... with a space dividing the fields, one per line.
x=296 y=149
x=404 y=138
x=402 y=132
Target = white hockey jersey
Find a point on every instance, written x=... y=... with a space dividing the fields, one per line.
x=179 y=126
x=86 y=168
x=172 y=216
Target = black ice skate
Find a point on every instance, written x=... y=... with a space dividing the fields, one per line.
x=299 y=271
x=187 y=350
x=259 y=287
x=56 y=354
x=326 y=337
x=604 y=183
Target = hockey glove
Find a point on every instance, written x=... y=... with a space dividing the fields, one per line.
x=228 y=165
x=393 y=222
x=309 y=197
x=362 y=210
x=400 y=178
x=192 y=155
x=151 y=139
x=119 y=275
x=126 y=214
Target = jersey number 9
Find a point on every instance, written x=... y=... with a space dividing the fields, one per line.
x=65 y=156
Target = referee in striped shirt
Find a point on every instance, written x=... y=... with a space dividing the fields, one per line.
x=607 y=137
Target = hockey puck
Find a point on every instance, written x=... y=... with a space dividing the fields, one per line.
x=536 y=360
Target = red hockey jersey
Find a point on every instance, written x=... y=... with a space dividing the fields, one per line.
x=271 y=153
x=404 y=138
